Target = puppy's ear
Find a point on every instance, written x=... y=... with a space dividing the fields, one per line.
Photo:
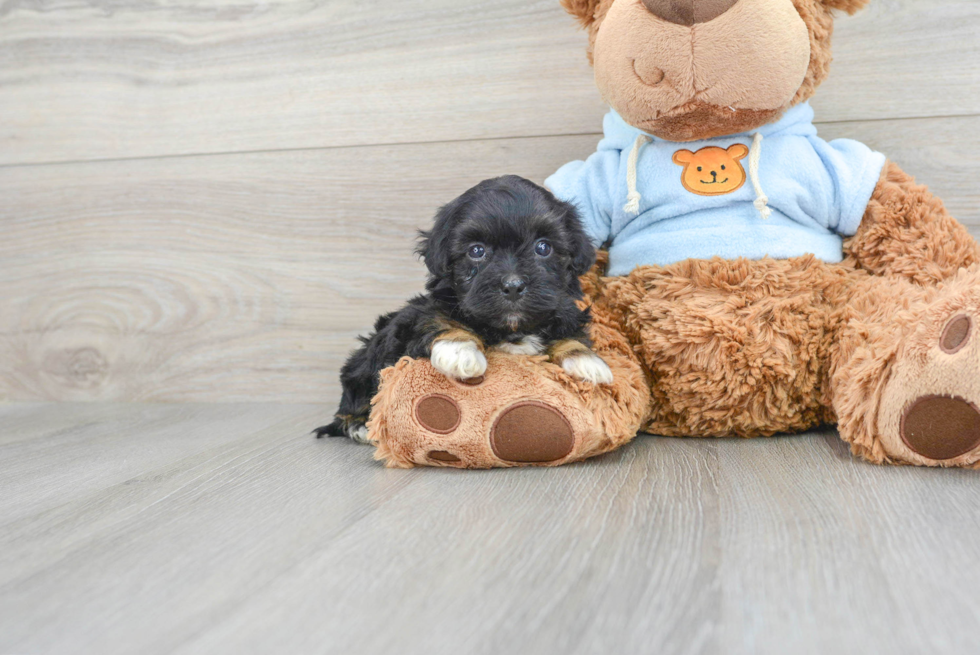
x=435 y=244
x=579 y=245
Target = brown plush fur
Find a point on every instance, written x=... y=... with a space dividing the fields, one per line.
x=850 y=6
x=907 y=232
x=738 y=347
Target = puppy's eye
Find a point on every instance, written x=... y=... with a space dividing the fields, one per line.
x=700 y=169
x=722 y=167
x=477 y=252
x=543 y=248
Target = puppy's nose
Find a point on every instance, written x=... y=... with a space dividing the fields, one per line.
x=513 y=286
x=689 y=12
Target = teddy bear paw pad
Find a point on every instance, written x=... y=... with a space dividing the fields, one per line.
x=941 y=428
x=532 y=433
x=438 y=413
x=444 y=456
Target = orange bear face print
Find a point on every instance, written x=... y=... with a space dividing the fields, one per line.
x=712 y=171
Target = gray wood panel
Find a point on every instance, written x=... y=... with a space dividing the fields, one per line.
x=92 y=80
x=262 y=540
x=247 y=277
x=221 y=278
x=103 y=447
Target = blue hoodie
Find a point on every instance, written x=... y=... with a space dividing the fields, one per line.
x=705 y=199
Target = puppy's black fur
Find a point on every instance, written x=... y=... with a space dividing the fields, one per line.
x=504 y=261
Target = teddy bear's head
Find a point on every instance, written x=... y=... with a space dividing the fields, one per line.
x=685 y=70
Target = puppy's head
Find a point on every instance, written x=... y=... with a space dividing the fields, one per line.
x=509 y=252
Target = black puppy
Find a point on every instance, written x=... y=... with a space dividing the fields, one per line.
x=504 y=261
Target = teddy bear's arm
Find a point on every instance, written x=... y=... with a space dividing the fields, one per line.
x=906 y=231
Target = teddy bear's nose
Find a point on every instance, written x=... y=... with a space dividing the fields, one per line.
x=689 y=12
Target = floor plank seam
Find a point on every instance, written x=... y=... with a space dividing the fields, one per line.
x=398 y=144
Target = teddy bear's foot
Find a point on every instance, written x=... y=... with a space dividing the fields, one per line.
x=521 y=413
x=525 y=411
x=930 y=407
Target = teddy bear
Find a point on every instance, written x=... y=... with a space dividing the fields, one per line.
x=754 y=280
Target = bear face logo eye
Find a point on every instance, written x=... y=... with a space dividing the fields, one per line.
x=724 y=175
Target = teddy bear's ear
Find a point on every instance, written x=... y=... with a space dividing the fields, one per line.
x=583 y=10
x=850 y=6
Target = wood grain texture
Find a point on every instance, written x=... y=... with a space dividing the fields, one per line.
x=247 y=277
x=204 y=536
x=96 y=80
x=247 y=183
x=222 y=278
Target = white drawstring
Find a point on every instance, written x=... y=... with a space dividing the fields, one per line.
x=755 y=156
x=633 y=198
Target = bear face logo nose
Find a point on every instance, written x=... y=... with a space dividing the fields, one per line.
x=688 y=12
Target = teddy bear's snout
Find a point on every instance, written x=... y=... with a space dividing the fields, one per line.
x=689 y=12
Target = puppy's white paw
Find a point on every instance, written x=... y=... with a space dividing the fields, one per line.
x=588 y=367
x=461 y=360
x=359 y=434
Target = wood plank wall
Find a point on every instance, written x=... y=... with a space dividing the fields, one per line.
x=208 y=203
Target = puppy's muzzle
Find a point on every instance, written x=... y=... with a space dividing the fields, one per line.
x=513 y=286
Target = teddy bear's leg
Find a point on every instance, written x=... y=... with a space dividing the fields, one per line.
x=905 y=380
x=907 y=232
x=734 y=347
x=526 y=411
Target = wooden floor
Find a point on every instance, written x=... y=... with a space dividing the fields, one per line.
x=228 y=529
x=207 y=201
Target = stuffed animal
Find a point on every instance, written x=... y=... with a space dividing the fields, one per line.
x=758 y=279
